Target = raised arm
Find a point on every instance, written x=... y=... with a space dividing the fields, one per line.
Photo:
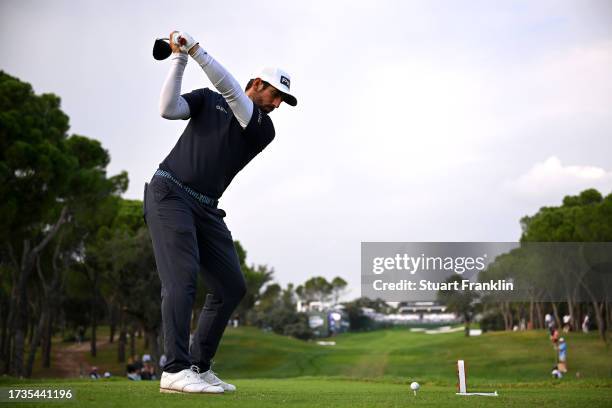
x=222 y=80
x=226 y=84
x=171 y=104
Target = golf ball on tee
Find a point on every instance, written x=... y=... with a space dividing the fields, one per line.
x=414 y=387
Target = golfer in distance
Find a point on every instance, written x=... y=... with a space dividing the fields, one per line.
x=226 y=130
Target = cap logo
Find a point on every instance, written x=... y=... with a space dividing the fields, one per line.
x=285 y=81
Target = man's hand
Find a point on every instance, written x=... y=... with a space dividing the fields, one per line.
x=182 y=42
x=175 y=47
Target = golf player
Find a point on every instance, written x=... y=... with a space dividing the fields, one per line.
x=226 y=130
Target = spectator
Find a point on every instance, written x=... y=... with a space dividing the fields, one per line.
x=562 y=365
x=145 y=375
x=548 y=320
x=133 y=373
x=585 y=324
x=148 y=371
x=93 y=374
x=554 y=337
x=566 y=323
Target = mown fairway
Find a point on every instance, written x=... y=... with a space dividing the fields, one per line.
x=492 y=358
x=374 y=369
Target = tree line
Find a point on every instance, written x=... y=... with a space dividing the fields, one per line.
x=576 y=271
x=559 y=268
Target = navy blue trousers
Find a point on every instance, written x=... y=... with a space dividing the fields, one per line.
x=190 y=238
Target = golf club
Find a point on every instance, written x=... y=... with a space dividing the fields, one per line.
x=161 y=49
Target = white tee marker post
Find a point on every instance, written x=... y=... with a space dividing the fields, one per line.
x=462 y=384
x=461 y=374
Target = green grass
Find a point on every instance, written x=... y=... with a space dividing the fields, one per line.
x=324 y=392
x=491 y=358
x=373 y=369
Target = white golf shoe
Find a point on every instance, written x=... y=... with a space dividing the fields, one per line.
x=211 y=378
x=187 y=381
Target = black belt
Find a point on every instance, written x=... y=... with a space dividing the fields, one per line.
x=204 y=199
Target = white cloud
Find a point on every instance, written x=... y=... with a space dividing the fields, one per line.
x=552 y=180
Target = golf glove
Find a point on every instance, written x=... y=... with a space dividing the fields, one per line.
x=184 y=40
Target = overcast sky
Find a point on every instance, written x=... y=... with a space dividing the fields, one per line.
x=416 y=120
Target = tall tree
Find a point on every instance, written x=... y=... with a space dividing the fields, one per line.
x=460 y=302
x=586 y=217
x=46 y=179
x=316 y=289
x=277 y=310
x=338 y=288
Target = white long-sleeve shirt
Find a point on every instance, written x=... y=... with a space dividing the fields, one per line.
x=173 y=106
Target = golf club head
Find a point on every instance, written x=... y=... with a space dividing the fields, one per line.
x=161 y=49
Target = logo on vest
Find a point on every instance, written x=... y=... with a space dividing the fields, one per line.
x=221 y=108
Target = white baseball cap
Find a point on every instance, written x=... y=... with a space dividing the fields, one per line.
x=280 y=80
